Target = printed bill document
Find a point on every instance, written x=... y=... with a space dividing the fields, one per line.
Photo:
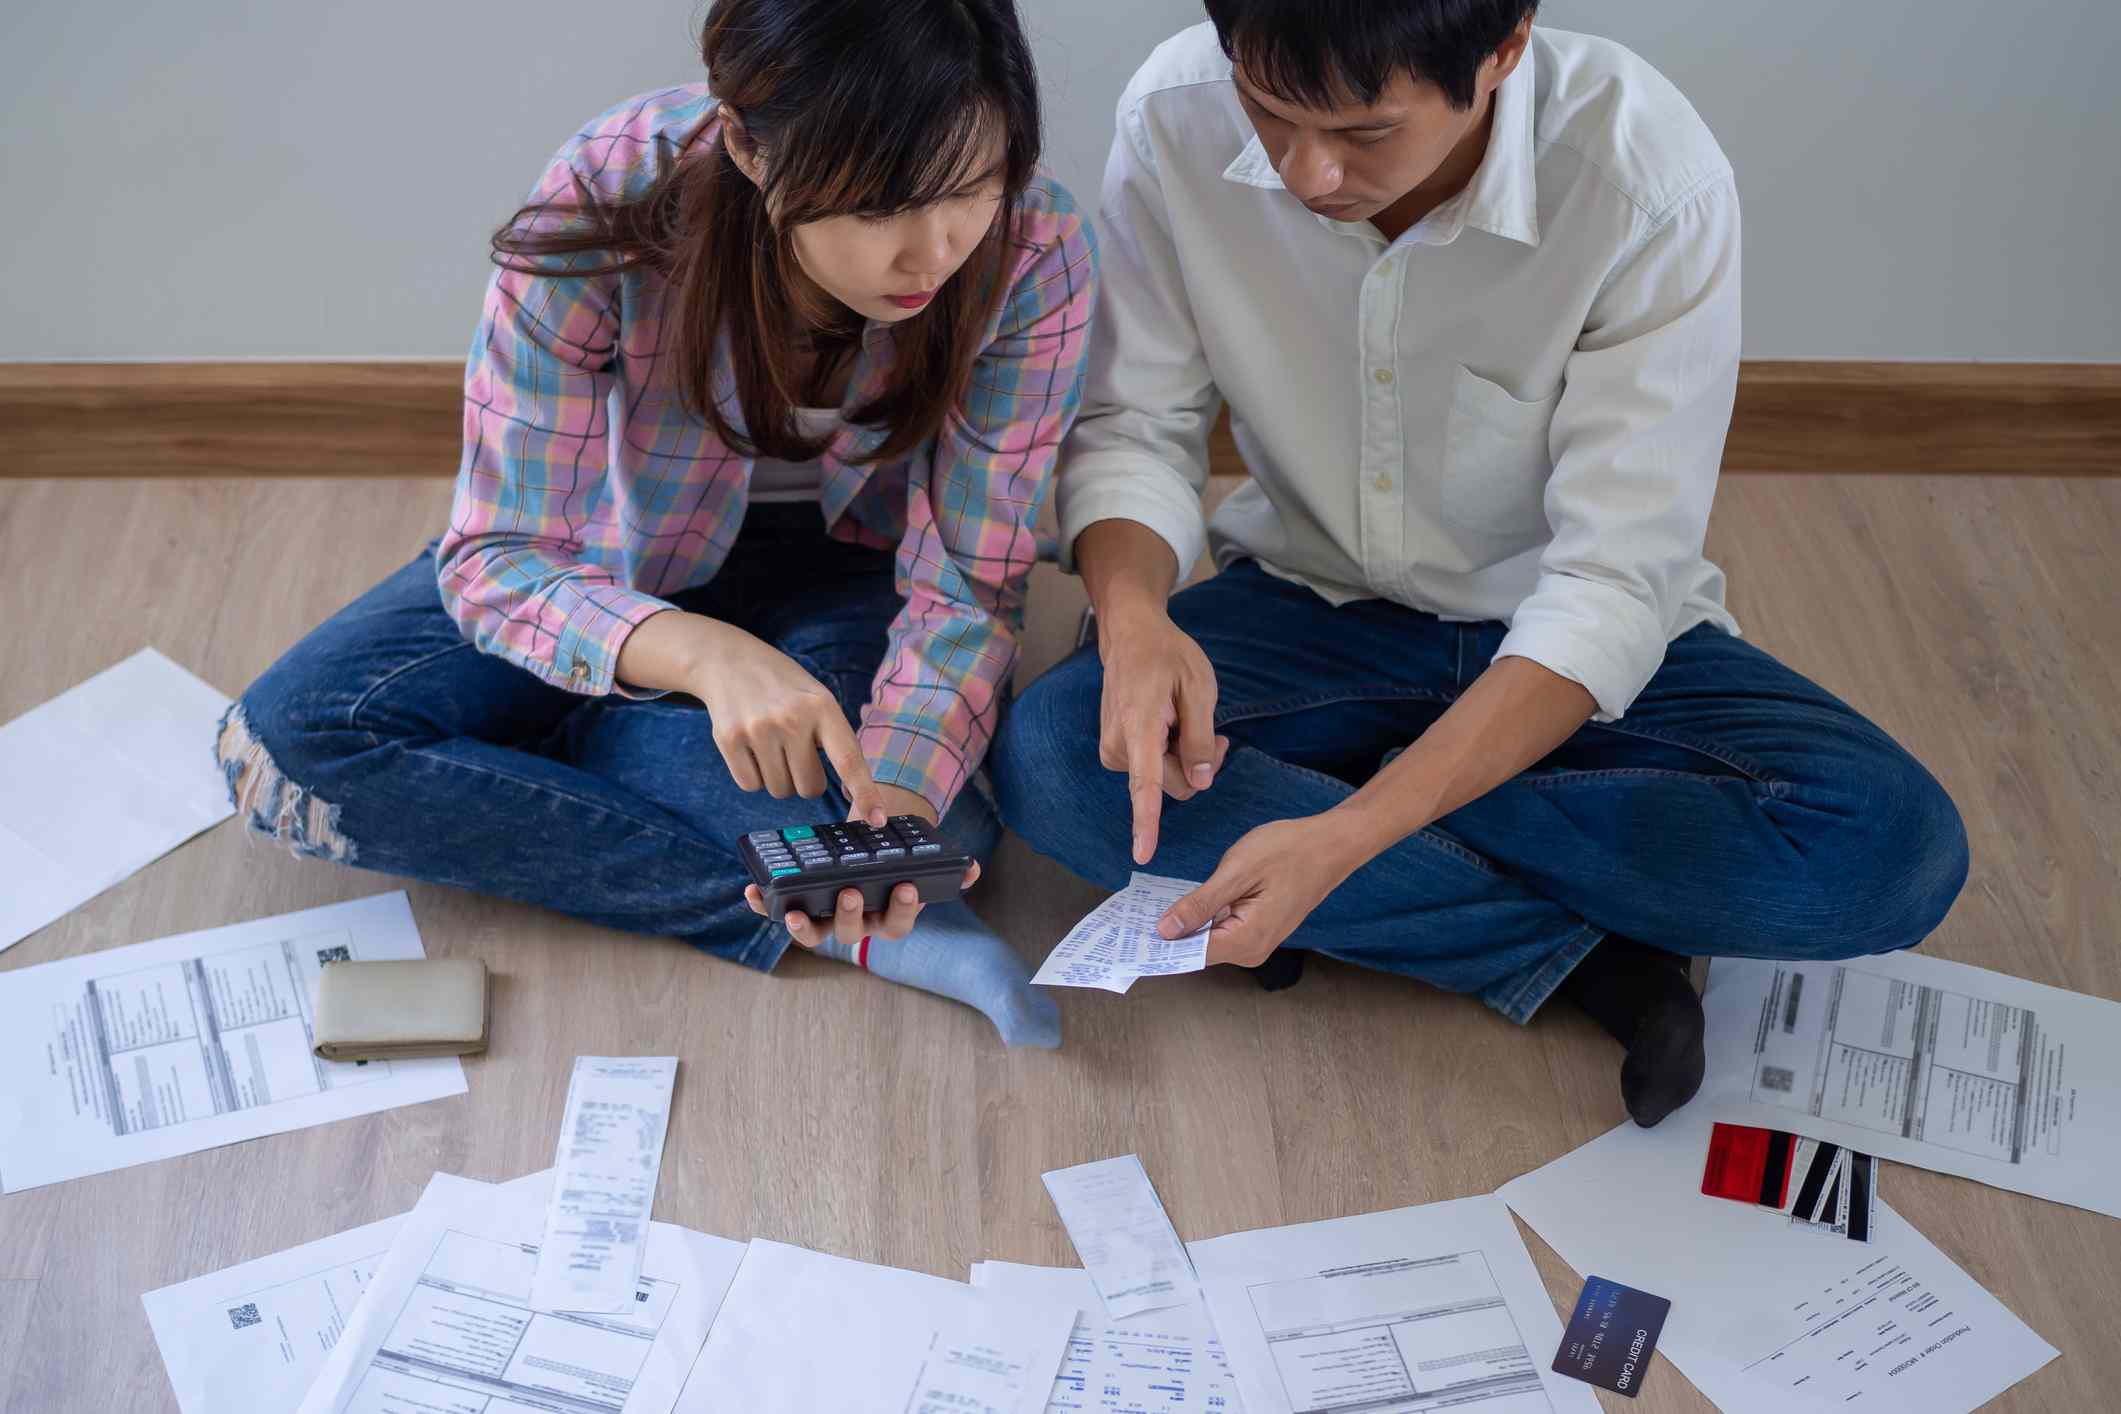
x=140 y=1053
x=1409 y=1311
x=1166 y=1360
x=1927 y=1062
x=447 y=1323
x=1765 y=1320
x=254 y=1336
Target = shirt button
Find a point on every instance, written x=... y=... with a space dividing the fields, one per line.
x=1383 y=482
x=1383 y=375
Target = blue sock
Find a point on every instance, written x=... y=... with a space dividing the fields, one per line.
x=952 y=954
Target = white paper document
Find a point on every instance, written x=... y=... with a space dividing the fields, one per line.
x=1123 y=1235
x=253 y=1337
x=186 y=1043
x=1414 y=1310
x=804 y=1331
x=1168 y=1359
x=1764 y=1320
x=100 y=781
x=447 y=1326
x=611 y=1152
x=1116 y=944
x=1926 y=1062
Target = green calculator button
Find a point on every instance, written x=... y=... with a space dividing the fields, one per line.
x=798 y=832
x=779 y=872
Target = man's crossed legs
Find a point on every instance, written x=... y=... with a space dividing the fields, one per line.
x=1736 y=810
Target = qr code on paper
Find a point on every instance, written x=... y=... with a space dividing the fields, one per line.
x=341 y=953
x=244 y=1315
x=1774 y=1077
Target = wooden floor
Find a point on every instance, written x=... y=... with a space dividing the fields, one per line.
x=1978 y=620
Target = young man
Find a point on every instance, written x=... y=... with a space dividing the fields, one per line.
x=1463 y=702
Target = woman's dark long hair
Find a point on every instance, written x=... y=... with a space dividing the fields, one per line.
x=856 y=107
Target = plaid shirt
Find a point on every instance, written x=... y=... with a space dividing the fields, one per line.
x=586 y=490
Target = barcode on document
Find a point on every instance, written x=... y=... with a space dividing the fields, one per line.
x=1789 y=1008
x=341 y=953
x=1774 y=1077
x=244 y=1315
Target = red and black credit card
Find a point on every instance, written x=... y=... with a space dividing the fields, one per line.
x=1749 y=1165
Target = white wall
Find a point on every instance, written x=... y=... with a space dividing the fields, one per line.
x=233 y=178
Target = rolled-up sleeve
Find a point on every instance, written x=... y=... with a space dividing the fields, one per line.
x=971 y=538
x=1637 y=441
x=1140 y=451
x=510 y=567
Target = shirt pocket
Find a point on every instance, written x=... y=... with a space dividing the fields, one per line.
x=1495 y=465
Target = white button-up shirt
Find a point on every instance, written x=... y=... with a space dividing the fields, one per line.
x=1515 y=411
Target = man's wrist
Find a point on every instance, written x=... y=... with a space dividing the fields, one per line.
x=1336 y=848
x=1127 y=567
x=1378 y=816
x=1124 y=611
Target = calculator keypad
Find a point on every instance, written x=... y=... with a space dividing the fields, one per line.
x=800 y=849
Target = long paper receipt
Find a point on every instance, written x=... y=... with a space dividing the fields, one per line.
x=610 y=1154
x=1117 y=943
x=1123 y=1235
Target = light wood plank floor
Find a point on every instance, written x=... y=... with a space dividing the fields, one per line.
x=1979 y=620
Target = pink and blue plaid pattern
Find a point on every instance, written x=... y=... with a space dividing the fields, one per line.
x=586 y=491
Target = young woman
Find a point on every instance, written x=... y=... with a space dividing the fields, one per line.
x=759 y=417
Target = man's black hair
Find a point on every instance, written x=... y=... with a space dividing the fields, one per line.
x=1321 y=53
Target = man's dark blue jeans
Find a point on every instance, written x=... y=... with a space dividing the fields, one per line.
x=1735 y=810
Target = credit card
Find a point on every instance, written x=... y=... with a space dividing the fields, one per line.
x=1863 y=1197
x=1800 y=1164
x=1609 y=1339
x=1748 y=1165
x=1847 y=1203
x=1817 y=1183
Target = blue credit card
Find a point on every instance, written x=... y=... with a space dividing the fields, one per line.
x=1609 y=1339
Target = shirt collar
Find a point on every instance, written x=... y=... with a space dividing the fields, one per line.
x=1502 y=198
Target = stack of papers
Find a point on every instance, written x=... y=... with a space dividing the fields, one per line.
x=100 y=781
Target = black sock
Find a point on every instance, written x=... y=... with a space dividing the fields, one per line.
x=1283 y=968
x=1644 y=999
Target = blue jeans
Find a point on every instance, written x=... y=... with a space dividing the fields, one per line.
x=398 y=746
x=1736 y=810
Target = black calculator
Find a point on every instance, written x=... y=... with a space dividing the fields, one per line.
x=804 y=867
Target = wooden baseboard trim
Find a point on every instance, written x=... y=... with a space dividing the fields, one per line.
x=403 y=419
